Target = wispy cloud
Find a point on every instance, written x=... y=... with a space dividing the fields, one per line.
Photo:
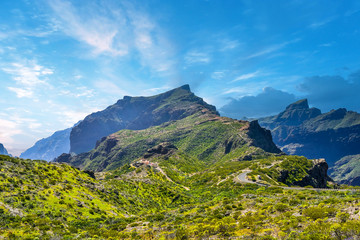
x=218 y=75
x=229 y=44
x=247 y=76
x=318 y=24
x=197 y=57
x=271 y=49
x=95 y=30
x=116 y=31
x=155 y=50
x=22 y=92
x=110 y=88
x=8 y=130
x=27 y=75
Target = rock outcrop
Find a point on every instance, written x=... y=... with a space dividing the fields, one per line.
x=316 y=176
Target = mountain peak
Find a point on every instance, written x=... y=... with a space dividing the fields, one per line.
x=137 y=113
x=186 y=87
x=3 y=150
x=301 y=104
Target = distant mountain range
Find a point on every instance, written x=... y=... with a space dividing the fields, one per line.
x=50 y=147
x=300 y=130
x=3 y=150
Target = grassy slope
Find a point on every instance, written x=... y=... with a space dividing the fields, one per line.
x=202 y=135
x=45 y=200
x=346 y=168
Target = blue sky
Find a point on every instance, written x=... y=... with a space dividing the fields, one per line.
x=61 y=60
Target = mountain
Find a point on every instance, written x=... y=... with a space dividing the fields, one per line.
x=204 y=135
x=3 y=150
x=347 y=170
x=50 y=147
x=197 y=176
x=300 y=130
x=135 y=113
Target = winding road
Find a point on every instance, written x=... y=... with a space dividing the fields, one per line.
x=243 y=179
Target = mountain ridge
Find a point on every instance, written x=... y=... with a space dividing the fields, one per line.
x=300 y=130
x=135 y=113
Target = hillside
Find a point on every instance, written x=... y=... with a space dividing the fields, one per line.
x=135 y=113
x=300 y=130
x=347 y=170
x=50 y=147
x=203 y=135
x=167 y=193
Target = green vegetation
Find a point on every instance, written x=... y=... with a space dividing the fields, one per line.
x=171 y=197
x=180 y=180
x=204 y=136
x=347 y=169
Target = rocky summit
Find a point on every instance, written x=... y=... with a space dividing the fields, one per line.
x=136 y=113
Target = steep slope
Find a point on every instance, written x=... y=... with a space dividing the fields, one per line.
x=136 y=113
x=3 y=150
x=50 y=147
x=347 y=170
x=203 y=135
x=301 y=130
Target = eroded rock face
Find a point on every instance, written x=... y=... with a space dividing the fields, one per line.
x=136 y=113
x=161 y=149
x=262 y=138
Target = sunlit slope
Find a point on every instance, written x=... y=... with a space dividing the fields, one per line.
x=204 y=136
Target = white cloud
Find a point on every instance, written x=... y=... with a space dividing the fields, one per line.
x=95 y=30
x=155 y=50
x=116 y=31
x=218 y=75
x=197 y=57
x=247 y=76
x=110 y=88
x=271 y=49
x=152 y=91
x=316 y=25
x=28 y=75
x=8 y=130
x=20 y=92
x=229 y=44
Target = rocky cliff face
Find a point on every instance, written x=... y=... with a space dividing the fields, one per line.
x=50 y=147
x=301 y=130
x=3 y=150
x=136 y=113
x=317 y=175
